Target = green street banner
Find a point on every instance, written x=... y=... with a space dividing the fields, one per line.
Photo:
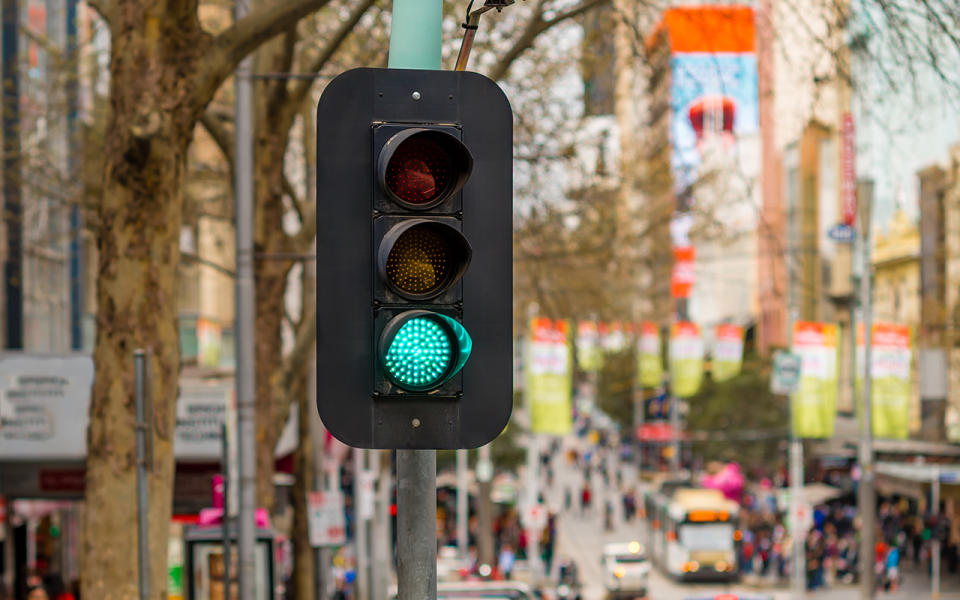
x=686 y=359
x=589 y=353
x=549 y=385
x=727 y=352
x=890 y=379
x=814 y=404
x=649 y=361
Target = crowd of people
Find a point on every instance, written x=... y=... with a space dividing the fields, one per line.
x=831 y=551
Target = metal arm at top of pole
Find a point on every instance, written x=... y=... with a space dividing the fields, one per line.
x=471 y=25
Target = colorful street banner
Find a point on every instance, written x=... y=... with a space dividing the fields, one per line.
x=814 y=405
x=686 y=359
x=649 y=362
x=684 y=271
x=727 y=352
x=589 y=353
x=713 y=84
x=890 y=379
x=549 y=385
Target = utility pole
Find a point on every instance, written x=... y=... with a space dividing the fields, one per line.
x=484 y=507
x=361 y=543
x=798 y=565
x=866 y=497
x=675 y=443
x=415 y=36
x=795 y=458
x=245 y=299
x=462 y=506
x=381 y=540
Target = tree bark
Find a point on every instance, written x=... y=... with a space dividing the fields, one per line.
x=164 y=70
x=137 y=284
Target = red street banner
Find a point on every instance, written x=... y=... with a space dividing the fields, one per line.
x=681 y=282
x=849 y=162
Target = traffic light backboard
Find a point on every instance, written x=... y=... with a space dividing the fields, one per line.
x=414 y=259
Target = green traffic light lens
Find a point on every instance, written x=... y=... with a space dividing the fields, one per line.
x=419 y=355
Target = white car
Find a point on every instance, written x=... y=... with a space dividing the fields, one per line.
x=626 y=571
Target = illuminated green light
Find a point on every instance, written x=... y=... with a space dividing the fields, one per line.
x=420 y=353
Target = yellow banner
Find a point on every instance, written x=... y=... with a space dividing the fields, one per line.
x=549 y=377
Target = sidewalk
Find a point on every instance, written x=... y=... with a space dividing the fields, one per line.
x=914 y=585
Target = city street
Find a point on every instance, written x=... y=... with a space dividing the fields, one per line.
x=581 y=538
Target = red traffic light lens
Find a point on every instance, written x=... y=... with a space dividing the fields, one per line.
x=419 y=262
x=420 y=168
x=419 y=171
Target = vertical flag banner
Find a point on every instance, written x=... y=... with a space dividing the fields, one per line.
x=727 y=352
x=686 y=359
x=814 y=405
x=890 y=380
x=649 y=363
x=589 y=353
x=549 y=388
x=684 y=272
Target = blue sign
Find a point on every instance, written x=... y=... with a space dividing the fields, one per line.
x=842 y=233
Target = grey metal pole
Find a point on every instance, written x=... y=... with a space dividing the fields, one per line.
x=361 y=546
x=866 y=497
x=143 y=507
x=798 y=563
x=533 y=493
x=462 y=496
x=484 y=507
x=795 y=463
x=674 y=434
x=935 y=546
x=245 y=299
x=382 y=543
x=417 y=524
x=225 y=469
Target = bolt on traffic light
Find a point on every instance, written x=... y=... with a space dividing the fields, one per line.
x=414 y=243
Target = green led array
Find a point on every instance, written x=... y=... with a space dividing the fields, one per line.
x=419 y=353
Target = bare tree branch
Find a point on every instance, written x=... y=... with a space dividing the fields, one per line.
x=302 y=88
x=220 y=134
x=535 y=26
x=188 y=257
x=229 y=47
x=104 y=8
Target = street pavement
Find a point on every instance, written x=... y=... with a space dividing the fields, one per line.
x=581 y=536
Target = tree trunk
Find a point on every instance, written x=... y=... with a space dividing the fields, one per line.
x=271 y=283
x=303 y=571
x=139 y=217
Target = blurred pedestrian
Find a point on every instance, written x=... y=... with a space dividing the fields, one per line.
x=585 y=497
x=37 y=592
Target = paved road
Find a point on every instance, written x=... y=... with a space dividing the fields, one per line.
x=582 y=536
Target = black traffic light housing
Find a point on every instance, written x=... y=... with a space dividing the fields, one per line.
x=414 y=259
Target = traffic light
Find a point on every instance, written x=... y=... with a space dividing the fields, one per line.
x=414 y=259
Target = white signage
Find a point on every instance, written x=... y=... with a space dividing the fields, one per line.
x=43 y=406
x=365 y=495
x=326 y=521
x=201 y=415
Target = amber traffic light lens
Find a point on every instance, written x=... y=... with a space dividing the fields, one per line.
x=420 y=171
x=419 y=262
x=420 y=259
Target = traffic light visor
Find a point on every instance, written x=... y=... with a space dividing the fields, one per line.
x=420 y=259
x=420 y=350
x=420 y=168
